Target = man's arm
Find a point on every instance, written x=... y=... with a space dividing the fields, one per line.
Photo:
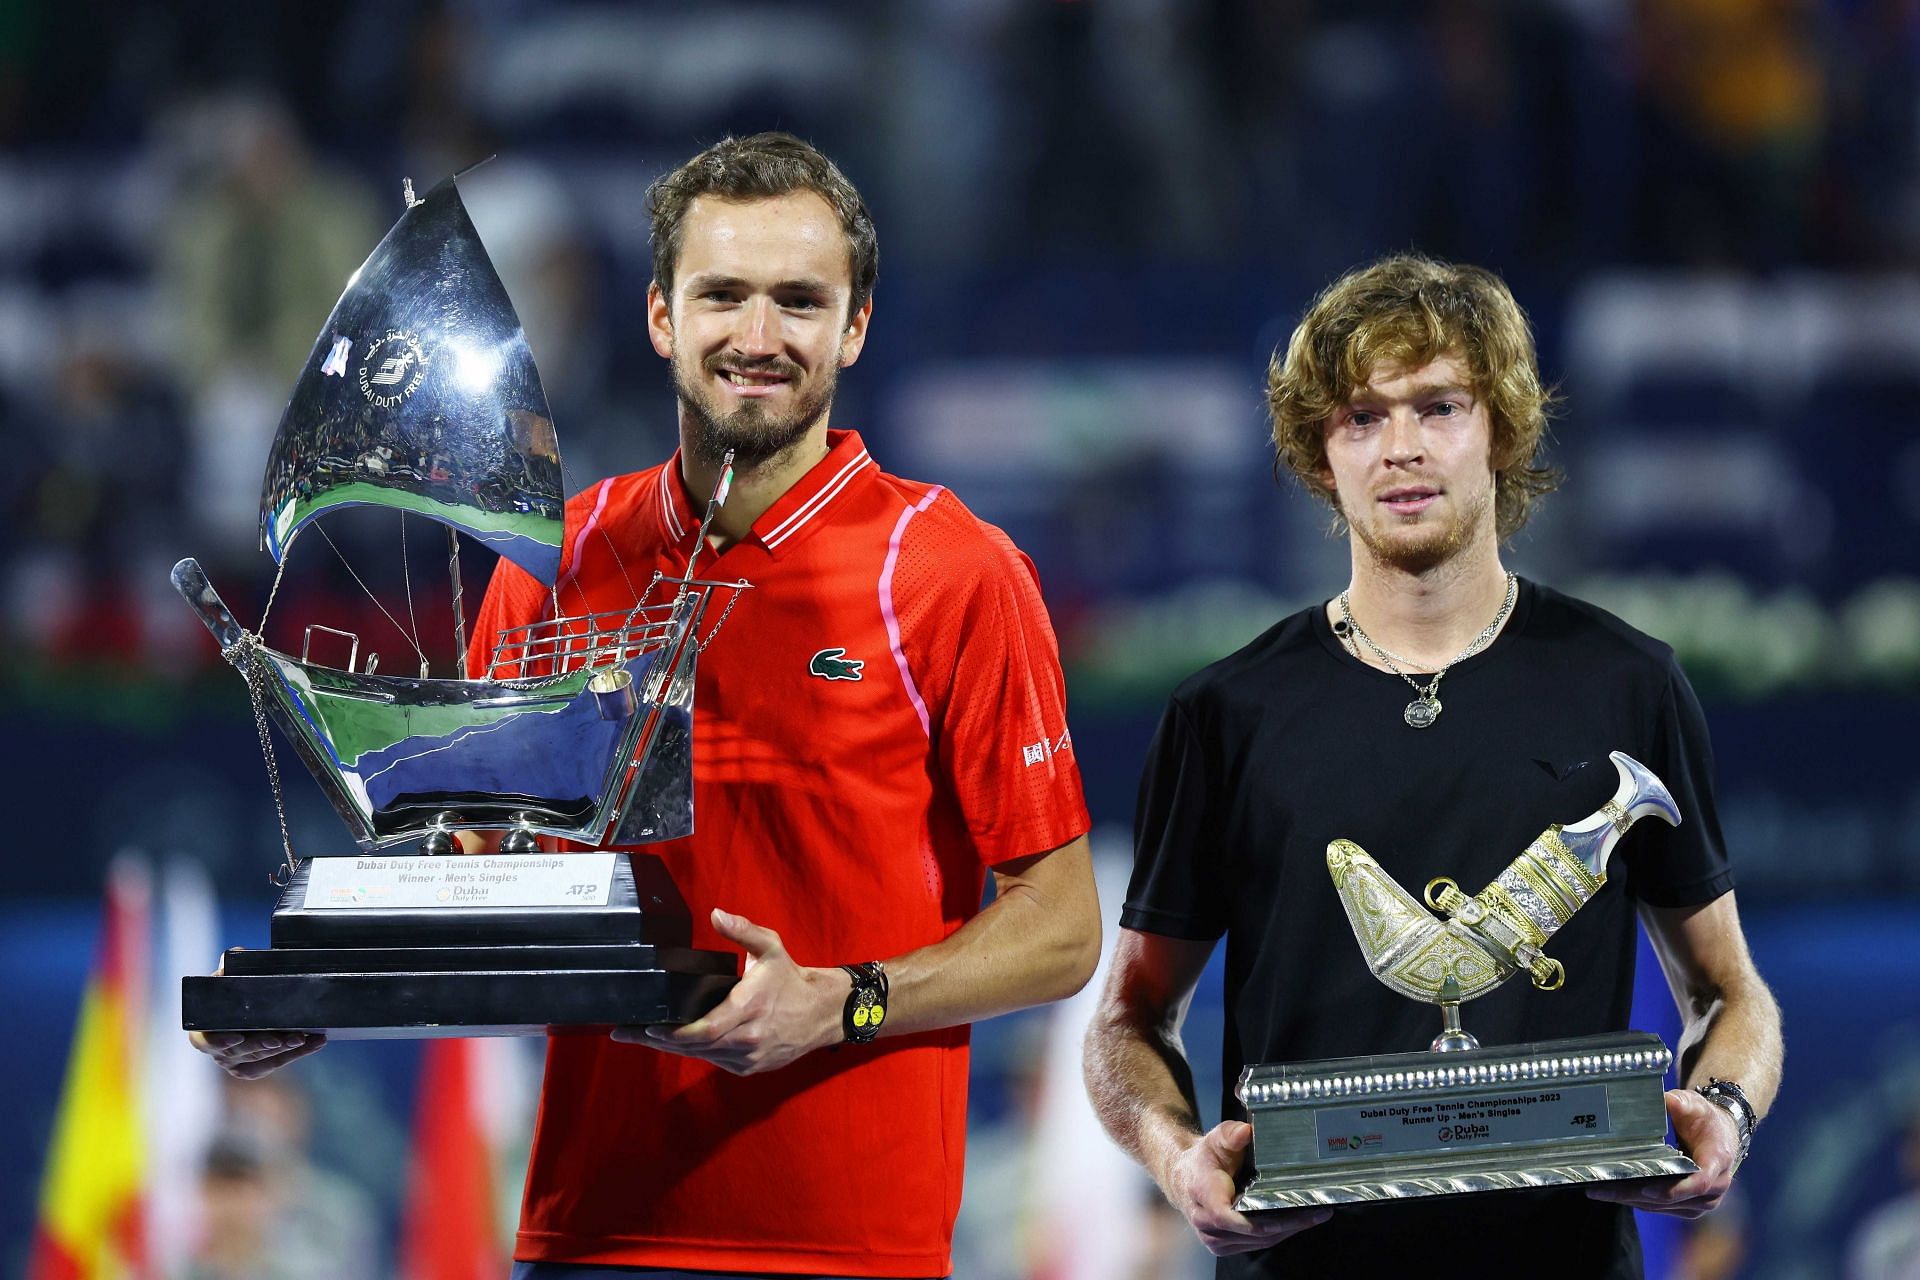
x=1142 y=1088
x=1732 y=1033
x=1038 y=940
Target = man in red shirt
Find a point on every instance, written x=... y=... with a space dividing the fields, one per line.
x=879 y=725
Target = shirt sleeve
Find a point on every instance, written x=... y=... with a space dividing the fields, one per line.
x=1683 y=866
x=985 y=661
x=1176 y=882
x=514 y=598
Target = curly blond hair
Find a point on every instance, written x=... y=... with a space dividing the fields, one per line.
x=1404 y=311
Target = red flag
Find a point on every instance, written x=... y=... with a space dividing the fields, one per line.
x=451 y=1232
x=92 y=1215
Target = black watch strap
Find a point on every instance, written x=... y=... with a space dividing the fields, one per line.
x=866 y=1006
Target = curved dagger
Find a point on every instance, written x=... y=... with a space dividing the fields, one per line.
x=1487 y=938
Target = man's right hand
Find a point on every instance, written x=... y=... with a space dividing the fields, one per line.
x=1199 y=1181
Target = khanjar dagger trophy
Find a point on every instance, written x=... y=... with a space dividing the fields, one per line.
x=421 y=396
x=1460 y=1118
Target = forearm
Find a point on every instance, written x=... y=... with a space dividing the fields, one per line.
x=1141 y=1087
x=1037 y=941
x=1733 y=1033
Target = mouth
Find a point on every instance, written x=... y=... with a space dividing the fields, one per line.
x=1410 y=499
x=752 y=383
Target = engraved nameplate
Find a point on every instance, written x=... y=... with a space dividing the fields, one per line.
x=1483 y=1120
x=479 y=880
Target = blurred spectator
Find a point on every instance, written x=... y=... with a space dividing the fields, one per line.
x=322 y=1226
x=1733 y=94
x=1887 y=1244
x=256 y=251
x=240 y=1204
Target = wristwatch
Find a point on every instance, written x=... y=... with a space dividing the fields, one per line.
x=1732 y=1099
x=866 y=1006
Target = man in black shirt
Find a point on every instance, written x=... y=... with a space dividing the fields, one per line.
x=1409 y=399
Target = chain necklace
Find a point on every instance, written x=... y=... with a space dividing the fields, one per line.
x=1425 y=708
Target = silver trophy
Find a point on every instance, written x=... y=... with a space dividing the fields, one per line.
x=421 y=396
x=1461 y=1118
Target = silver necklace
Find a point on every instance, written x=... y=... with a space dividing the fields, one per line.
x=1425 y=708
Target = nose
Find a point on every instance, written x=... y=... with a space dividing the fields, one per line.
x=759 y=331
x=1401 y=440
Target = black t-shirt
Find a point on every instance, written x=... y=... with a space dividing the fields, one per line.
x=1266 y=756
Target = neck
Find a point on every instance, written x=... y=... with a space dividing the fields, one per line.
x=1426 y=615
x=755 y=487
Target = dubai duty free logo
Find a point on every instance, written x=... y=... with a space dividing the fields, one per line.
x=394 y=368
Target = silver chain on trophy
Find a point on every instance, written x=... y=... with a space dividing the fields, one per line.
x=241 y=656
x=1425 y=709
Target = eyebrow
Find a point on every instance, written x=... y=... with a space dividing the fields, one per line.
x=802 y=284
x=1425 y=391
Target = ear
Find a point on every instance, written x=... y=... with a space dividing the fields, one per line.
x=855 y=339
x=659 y=321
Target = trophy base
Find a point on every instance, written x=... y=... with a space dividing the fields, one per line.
x=366 y=993
x=1404 y=1125
x=390 y=947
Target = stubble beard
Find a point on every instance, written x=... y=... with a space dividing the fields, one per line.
x=1422 y=551
x=754 y=435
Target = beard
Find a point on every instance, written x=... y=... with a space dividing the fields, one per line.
x=754 y=433
x=1420 y=550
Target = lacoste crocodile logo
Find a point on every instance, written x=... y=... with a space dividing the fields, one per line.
x=834 y=664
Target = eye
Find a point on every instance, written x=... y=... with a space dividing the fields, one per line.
x=1360 y=419
x=1445 y=409
x=803 y=303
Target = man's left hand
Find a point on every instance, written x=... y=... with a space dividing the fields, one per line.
x=1706 y=1132
x=778 y=1010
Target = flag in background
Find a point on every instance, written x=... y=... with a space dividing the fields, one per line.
x=182 y=1089
x=474 y=1100
x=92 y=1216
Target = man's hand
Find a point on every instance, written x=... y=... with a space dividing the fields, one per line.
x=1199 y=1182
x=1711 y=1136
x=778 y=1010
x=248 y=1055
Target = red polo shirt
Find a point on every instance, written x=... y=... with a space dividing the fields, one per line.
x=854 y=816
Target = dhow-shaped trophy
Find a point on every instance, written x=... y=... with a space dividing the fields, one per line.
x=421 y=396
x=1460 y=1118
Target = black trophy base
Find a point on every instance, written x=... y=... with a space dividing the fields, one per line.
x=388 y=993
x=417 y=972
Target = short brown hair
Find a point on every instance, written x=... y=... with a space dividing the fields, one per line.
x=1407 y=310
x=758 y=168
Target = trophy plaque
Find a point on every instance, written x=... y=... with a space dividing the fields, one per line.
x=1459 y=1118
x=421 y=396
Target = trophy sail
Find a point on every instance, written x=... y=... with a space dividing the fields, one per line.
x=421 y=395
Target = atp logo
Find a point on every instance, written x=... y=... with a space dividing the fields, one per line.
x=834 y=664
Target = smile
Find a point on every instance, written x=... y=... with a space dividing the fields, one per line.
x=752 y=384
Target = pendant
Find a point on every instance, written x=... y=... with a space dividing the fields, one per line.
x=1422 y=712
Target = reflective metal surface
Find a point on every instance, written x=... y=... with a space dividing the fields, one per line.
x=1487 y=938
x=403 y=758
x=421 y=394
x=1349 y=1130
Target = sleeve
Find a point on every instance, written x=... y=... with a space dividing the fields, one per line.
x=982 y=652
x=1683 y=866
x=1177 y=879
x=514 y=598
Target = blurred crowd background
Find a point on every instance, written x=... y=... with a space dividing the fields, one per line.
x=1097 y=219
